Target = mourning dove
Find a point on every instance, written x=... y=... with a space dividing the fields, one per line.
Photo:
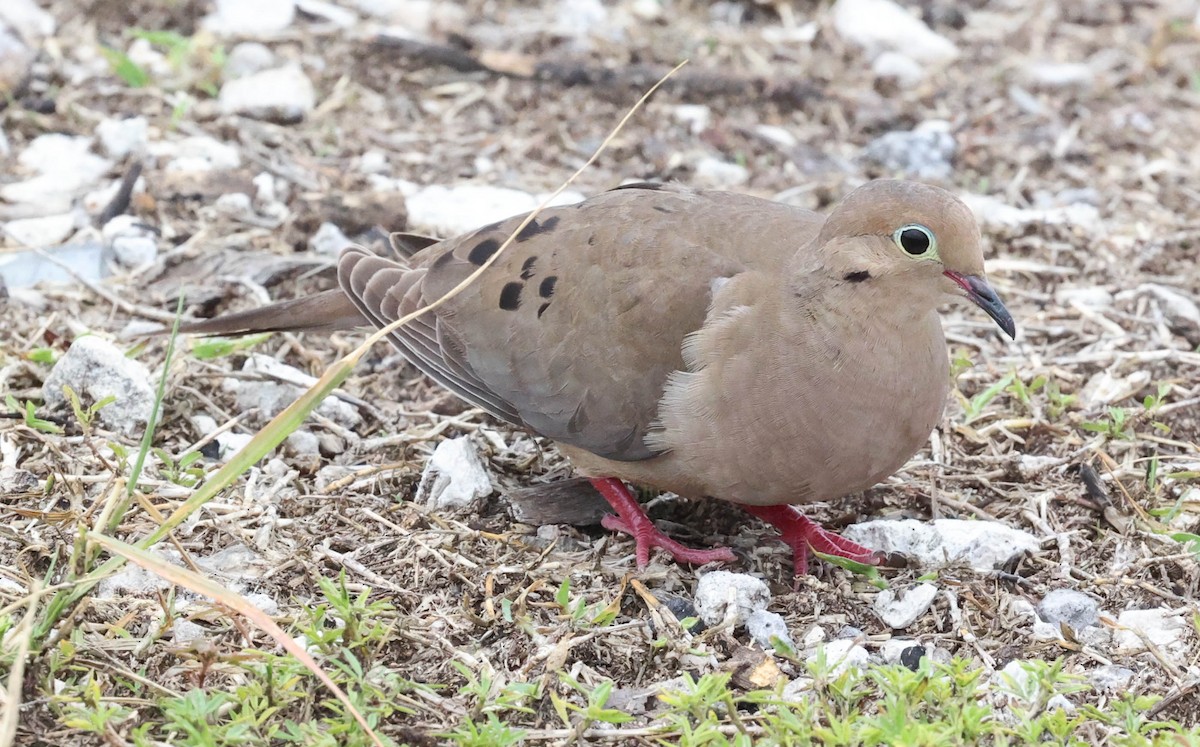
x=707 y=343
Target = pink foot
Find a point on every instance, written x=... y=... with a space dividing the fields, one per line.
x=632 y=519
x=801 y=533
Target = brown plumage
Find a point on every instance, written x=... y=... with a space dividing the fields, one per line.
x=707 y=343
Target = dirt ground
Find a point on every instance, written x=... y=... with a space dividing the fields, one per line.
x=1110 y=161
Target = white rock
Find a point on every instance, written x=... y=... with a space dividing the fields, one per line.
x=55 y=152
x=450 y=211
x=129 y=242
x=95 y=368
x=926 y=152
x=283 y=94
x=883 y=26
x=120 y=137
x=373 y=162
x=1031 y=465
x=892 y=649
x=1092 y=298
x=982 y=544
x=329 y=12
x=328 y=240
x=134 y=580
x=199 y=153
x=1053 y=75
x=39 y=232
x=186 y=632
x=304 y=444
x=901 y=68
x=263 y=602
x=1074 y=608
x=415 y=16
x=236 y=205
x=717 y=174
x=780 y=136
x=1044 y=631
x=1165 y=628
x=696 y=116
x=722 y=593
x=797 y=690
x=241 y=18
x=230 y=443
x=1105 y=388
x=578 y=18
x=281 y=386
x=763 y=625
x=1180 y=310
x=1111 y=678
x=646 y=10
x=247 y=58
x=134 y=251
x=203 y=424
x=30 y=21
x=1059 y=702
x=849 y=631
x=899 y=611
x=455 y=477
x=64 y=167
x=814 y=637
x=1098 y=637
x=842 y=654
x=21 y=270
x=804 y=33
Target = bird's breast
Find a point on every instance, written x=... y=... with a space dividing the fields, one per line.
x=815 y=419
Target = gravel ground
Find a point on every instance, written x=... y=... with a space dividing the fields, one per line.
x=230 y=158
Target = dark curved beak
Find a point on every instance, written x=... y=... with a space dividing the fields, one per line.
x=984 y=296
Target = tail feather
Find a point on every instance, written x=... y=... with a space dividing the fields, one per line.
x=323 y=312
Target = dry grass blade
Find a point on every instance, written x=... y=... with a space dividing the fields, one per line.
x=23 y=635
x=201 y=585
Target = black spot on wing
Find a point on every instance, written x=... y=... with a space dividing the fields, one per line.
x=527 y=268
x=483 y=251
x=857 y=277
x=534 y=228
x=546 y=287
x=510 y=296
x=542 y=309
x=653 y=186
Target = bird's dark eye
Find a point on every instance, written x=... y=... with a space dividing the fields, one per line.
x=916 y=241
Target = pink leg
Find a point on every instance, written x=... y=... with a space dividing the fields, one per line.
x=632 y=519
x=801 y=533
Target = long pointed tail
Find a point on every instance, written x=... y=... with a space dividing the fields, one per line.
x=323 y=312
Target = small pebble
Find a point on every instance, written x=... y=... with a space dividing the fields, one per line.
x=911 y=657
x=722 y=593
x=764 y=626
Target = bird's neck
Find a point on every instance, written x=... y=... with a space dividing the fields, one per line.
x=875 y=309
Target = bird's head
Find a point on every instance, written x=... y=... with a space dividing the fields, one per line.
x=919 y=241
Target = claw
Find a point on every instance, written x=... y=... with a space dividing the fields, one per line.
x=802 y=533
x=632 y=519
